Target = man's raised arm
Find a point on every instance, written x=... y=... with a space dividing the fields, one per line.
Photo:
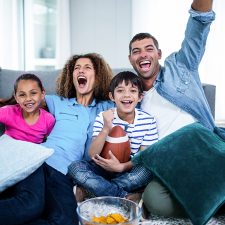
x=202 y=5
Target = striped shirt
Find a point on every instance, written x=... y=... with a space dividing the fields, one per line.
x=143 y=132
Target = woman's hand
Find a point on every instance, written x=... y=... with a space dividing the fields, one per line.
x=112 y=164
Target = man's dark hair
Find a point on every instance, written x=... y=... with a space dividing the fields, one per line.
x=142 y=36
x=127 y=77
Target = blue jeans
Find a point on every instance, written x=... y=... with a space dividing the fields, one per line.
x=103 y=183
x=43 y=198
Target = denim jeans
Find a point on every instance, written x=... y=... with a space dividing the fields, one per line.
x=103 y=183
x=23 y=201
x=43 y=198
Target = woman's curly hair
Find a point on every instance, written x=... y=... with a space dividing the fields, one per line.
x=103 y=76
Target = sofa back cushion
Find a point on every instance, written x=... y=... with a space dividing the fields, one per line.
x=8 y=77
x=48 y=78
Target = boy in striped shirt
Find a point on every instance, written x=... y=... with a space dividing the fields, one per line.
x=109 y=177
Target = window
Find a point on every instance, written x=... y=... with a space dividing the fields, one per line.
x=40 y=34
x=36 y=34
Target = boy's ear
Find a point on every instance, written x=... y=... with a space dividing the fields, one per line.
x=111 y=96
x=140 y=97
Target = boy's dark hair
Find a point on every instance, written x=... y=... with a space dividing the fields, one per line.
x=26 y=76
x=141 y=36
x=127 y=77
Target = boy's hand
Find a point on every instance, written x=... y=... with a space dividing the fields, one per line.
x=108 y=117
x=111 y=165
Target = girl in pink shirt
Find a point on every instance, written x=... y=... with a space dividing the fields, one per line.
x=26 y=120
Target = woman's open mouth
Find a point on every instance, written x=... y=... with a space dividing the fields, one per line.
x=82 y=81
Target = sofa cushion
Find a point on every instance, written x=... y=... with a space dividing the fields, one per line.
x=8 y=77
x=19 y=159
x=49 y=77
x=210 y=93
x=190 y=163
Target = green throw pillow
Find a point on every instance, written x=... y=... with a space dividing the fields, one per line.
x=191 y=164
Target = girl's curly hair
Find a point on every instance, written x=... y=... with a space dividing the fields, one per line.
x=103 y=76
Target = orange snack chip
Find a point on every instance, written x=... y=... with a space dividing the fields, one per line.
x=112 y=218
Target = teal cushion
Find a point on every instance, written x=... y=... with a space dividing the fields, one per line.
x=191 y=164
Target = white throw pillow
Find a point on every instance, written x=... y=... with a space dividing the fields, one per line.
x=18 y=159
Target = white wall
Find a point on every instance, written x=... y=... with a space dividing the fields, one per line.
x=106 y=27
x=166 y=20
x=212 y=65
x=102 y=26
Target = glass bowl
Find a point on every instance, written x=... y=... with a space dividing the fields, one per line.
x=103 y=206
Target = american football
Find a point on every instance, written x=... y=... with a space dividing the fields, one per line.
x=118 y=142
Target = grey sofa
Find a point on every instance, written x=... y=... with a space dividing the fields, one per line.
x=8 y=77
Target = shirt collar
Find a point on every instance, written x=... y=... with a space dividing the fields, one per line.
x=73 y=101
x=125 y=122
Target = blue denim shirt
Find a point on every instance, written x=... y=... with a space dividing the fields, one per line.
x=178 y=81
x=71 y=136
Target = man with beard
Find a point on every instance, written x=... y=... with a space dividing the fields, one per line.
x=173 y=92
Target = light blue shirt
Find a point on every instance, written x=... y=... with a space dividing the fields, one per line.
x=72 y=133
x=179 y=82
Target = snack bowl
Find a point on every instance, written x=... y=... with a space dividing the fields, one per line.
x=91 y=211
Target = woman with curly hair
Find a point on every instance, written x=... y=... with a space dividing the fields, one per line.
x=82 y=92
x=46 y=196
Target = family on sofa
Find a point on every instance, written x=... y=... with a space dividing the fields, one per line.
x=189 y=142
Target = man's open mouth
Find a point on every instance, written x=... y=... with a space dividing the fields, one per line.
x=145 y=64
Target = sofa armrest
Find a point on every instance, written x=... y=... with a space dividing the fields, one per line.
x=210 y=93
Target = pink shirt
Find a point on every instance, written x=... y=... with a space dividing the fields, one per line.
x=16 y=127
